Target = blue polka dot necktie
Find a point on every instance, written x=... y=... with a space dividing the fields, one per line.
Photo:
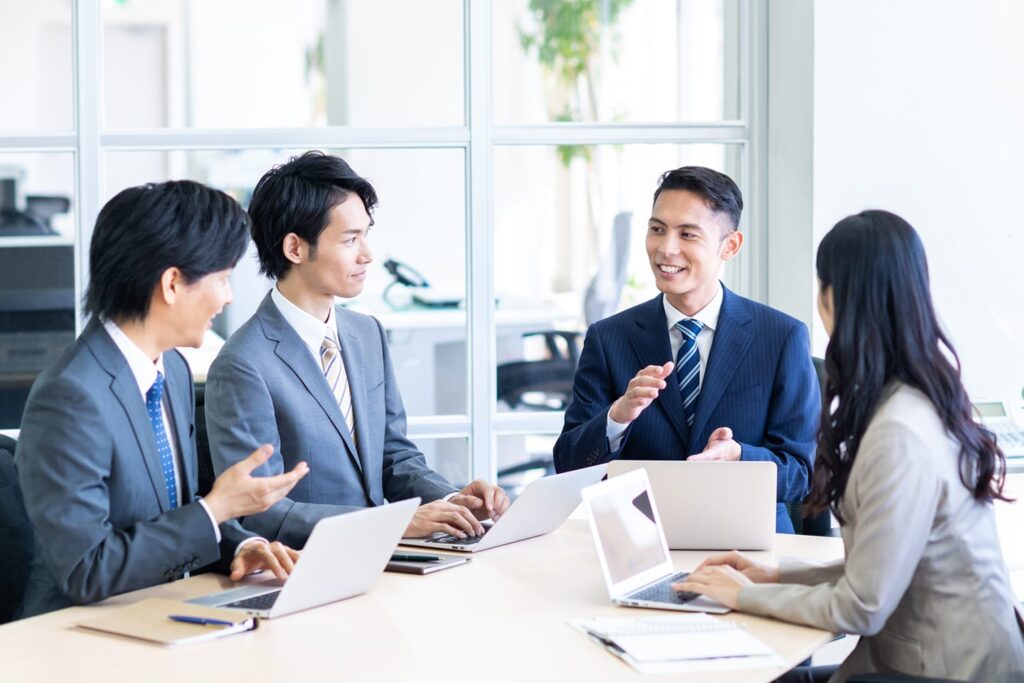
x=163 y=445
x=688 y=367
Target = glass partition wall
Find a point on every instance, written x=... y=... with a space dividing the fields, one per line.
x=515 y=146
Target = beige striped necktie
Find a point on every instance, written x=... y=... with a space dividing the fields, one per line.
x=337 y=379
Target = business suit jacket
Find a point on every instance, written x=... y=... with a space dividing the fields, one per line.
x=266 y=387
x=90 y=473
x=759 y=382
x=923 y=581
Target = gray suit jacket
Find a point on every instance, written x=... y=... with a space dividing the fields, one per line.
x=923 y=582
x=266 y=387
x=90 y=472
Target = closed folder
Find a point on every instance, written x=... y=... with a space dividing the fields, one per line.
x=150 y=620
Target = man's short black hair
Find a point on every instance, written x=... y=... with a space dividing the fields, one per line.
x=297 y=197
x=145 y=230
x=717 y=189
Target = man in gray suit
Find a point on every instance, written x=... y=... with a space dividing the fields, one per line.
x=106 y=456
x=316 y=380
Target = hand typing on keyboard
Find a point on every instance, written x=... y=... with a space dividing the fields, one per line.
x=722 y=577
x=445 y=517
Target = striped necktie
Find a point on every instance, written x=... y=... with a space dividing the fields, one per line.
x=688 y=367
x=163 y=446
x=337 y=379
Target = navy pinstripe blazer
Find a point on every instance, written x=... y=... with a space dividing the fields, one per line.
x=759 y=382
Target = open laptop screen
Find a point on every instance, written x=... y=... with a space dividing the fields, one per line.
x=627 y=529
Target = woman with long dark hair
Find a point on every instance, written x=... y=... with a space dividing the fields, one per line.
x=907 y=472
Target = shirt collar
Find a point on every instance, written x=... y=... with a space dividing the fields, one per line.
x=142 y=366
x=310 y=329
x=707 y=315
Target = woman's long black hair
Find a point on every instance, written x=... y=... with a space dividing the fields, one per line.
x=885 y=329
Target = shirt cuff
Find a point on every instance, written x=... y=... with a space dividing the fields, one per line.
x=450 y=496
x=615 y=432
x=248 y=541
x=213 y=520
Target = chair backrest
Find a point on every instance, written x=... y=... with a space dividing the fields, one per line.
x=16 y=536
x=206 y=473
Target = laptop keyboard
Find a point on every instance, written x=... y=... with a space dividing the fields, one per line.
x=662 y=591
x=468 y=540
x=257 y=602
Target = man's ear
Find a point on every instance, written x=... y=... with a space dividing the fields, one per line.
x=169 y=287
x=731 y=245
x=294 y=248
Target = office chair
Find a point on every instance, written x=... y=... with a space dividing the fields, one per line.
x=206 y=473
x=821 y=523
x=16 y=535
x=544 y=384
x=894 y=678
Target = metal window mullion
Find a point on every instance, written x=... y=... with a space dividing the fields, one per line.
x=57 y=142
x=87 y=36
x=269 y=138
x=597 y=134
x=480 y=285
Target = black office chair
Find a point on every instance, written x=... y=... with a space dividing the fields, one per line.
x=206 y=473
x=821 y=523
x=544 y=384
x=16 y=536
x=894 y=678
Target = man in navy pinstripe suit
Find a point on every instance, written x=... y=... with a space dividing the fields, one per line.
x=698 y=372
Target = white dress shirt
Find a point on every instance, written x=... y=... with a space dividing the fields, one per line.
x=709 y=317
x=144 y=369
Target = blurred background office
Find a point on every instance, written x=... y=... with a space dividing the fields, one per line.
x=515 y=145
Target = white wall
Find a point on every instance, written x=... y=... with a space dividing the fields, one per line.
x=919 y=109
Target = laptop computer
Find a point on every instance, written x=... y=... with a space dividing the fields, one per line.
x=540 y=509
x=711 y=505
x=328 y=569
x=631 y=545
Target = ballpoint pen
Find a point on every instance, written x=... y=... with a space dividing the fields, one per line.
x=200 y=621
x=406 y=557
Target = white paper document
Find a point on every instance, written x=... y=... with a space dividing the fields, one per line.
x=679 y=642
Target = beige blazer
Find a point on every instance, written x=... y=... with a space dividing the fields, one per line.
x=923 y=581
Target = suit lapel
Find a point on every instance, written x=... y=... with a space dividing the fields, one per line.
x=652 y=347
x=294 y=353
x=177 y=402
x=732 y=339
x=126 y=392
x=354 y=368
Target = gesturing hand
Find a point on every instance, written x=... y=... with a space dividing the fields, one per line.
x=721 y=446
x=237 y=493
x=640 y=393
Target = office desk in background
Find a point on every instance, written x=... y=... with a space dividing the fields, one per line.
x=500 y=618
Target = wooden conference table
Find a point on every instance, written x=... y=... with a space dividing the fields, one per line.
x=500 y=618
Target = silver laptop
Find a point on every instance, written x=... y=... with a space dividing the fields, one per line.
x=631 y=545
x=712 y=505
x=328 y=570
x=540 y=509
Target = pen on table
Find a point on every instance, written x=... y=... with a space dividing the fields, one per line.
x=186 y=619
x=406 y=557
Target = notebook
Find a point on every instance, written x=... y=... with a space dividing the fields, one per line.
x=150 y=620
x=677 y=637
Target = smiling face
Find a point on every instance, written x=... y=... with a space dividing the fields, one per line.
x=337 y=265
x=687 y=243
x=201 y=301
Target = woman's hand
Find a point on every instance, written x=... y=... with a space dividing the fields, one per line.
x=755 y=571
x=721 y=583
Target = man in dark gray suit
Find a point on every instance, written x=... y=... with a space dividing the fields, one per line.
x=106 y=456
x=316 y=380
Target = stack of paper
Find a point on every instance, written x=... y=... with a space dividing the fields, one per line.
x=679 y=642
